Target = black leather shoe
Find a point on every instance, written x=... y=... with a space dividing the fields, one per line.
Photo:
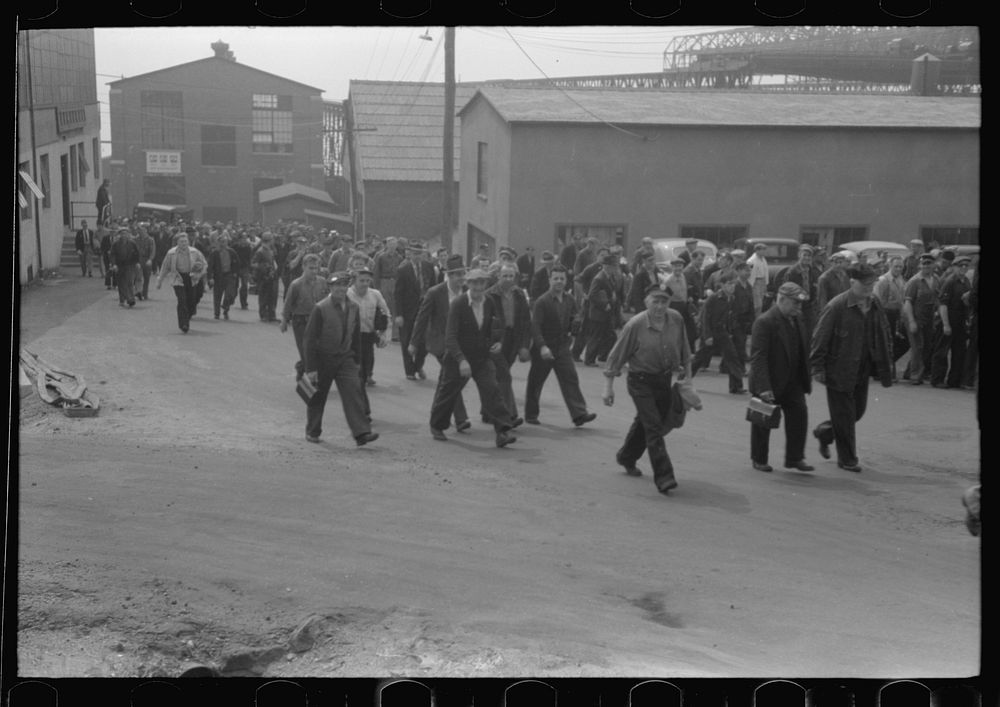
x=801 y=466
x=505 y=438
x=667 y=487
x=763 y=467
x=855 y=467
x=532 y=420
x=584 y=419
x=438 y=435
x=633 y=470
x=516 y=422
x=363 y=439
x=462 y=426
x=310 y=438
x=411 y=377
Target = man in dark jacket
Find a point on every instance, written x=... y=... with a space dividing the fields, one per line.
x=84 y=243
x=540 y=280
x=244 y=251
x=432 y=320
x=849 y=347
x=512 y=305
x=718 y=334
x=779 y=374
x=125 y=258
x=413 y=278
x=645 y=275
x=103 y=203
x=604 y=310
x=802 y=275
x=950 y=336
x=526 y=267
x=473 y=333
x=223 y=265
x=330 y=344
x=551 y=317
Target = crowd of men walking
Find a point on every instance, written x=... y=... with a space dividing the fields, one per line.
x=837 y=322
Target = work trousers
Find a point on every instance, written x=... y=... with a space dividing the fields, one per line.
x=126 y=282
x=411 y=364
x=299 y=322
x=569 y=382
x=343 y=371
x=899 y=343
x=921 y=350
x=223 y=292
x=450 y=386
x=110 y=275
x=503 y=362
x=267 y=299
x=244 y=278
x=722 y=341
x=365 y=365
x=600 y=342
x=652 y=396
x=796 y=421
x=846 y=408
x=971 y=365
x=689 y=326
x=580 y=340
x=459 y=413
x=85 y=258
x=185 y=302
x=147 y=274
x=944 y=344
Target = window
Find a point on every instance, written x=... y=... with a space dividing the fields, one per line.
x=84 y=166
x=830 y=237
x=73 y=168
x=272 y=123
x=218 y=145
x=161 y=120
x=96 y=153
x=721 y=236
x=950 y=235
x=24 y=195
x=481 y=170
x=46 y=183
x=162 y=189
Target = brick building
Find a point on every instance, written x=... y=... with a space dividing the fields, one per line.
x=212 y=134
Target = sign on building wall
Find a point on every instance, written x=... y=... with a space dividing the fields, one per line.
x=163 y=162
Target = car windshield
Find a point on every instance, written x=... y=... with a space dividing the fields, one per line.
x=781 y=251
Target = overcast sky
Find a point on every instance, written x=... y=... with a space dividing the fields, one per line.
x=329 y=57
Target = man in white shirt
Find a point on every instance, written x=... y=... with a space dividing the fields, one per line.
x=758 y=276
x=369 y=301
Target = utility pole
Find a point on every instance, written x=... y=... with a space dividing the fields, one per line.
x=449 y=138
x=34 y=154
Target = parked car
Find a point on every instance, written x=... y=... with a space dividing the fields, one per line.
x=169 y=213
x=780 y=252
x=872 y=249
x=666 y=249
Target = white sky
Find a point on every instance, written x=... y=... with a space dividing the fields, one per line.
x=329 y=57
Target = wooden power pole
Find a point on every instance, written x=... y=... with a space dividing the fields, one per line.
x=449 y=139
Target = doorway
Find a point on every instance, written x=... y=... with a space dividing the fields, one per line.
x=64 y=182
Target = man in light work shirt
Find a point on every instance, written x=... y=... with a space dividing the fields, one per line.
x=654 y=346
x=758 y=276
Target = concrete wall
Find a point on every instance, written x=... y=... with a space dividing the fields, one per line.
x=405 y=209
x=774 y=180
x=489 y=212
x=217 y=93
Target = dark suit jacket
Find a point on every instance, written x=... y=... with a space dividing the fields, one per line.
x=526 y=266
x=838 y=344
x=85 y=240
x=407 y=292
x=521 y=336
x=464 y=341
x=772 y=365
x=215 y=273
x=718 y=315
x=604 y=300
x=637 y=292
x=432 y=320
x=548 y=328
x=539 y=283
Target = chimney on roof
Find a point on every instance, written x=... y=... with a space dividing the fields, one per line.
x=221 y=50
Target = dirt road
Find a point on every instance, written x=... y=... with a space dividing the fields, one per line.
x=190 y=523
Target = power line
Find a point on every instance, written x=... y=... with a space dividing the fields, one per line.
x=585 y=109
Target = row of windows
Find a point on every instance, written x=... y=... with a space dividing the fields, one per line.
x=162 y=126
x=76 y=166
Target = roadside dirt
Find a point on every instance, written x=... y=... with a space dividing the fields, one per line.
x=189 y=524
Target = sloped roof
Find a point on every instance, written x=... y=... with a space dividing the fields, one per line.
x=728 y=108
x=212 y=60
x=293 y=189
x=408 y=122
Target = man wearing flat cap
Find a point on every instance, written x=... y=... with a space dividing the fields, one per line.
x=832 y=282
x=373 y=313
x=331 y=341
x=911 y=265
x=430 y=327
x=653 y=344
x=779 y=374
x=851 y=345
x=473 y=333
x=718 y=334
x=920 y=304
x=540 y=280
x=690 y=247
x=413 y=278
x=605 y=298
x=950 y=335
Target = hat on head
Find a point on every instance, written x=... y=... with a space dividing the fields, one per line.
x=415 y=246
x=364 y=271
x=916 y=241
x=454 y=264
x=948 y=255
x=793 y=290
x=805 y=248
x=688 y=241
x=658 y=291
x=476 y=274
x=963 y=260
x=839 y=255
x=609 y=259
x=862 y=273
x=340 y=277
x=738 y=252
x=678 y=260
x=760 y=246
x=547 y=256
x=927 y=258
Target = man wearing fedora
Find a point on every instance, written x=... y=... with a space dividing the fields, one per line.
x=413 y=278
x=473 y=333
x=850 y=346
x=540 y=280
x=779 y=374
x=331 y=341
x=432 y=320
